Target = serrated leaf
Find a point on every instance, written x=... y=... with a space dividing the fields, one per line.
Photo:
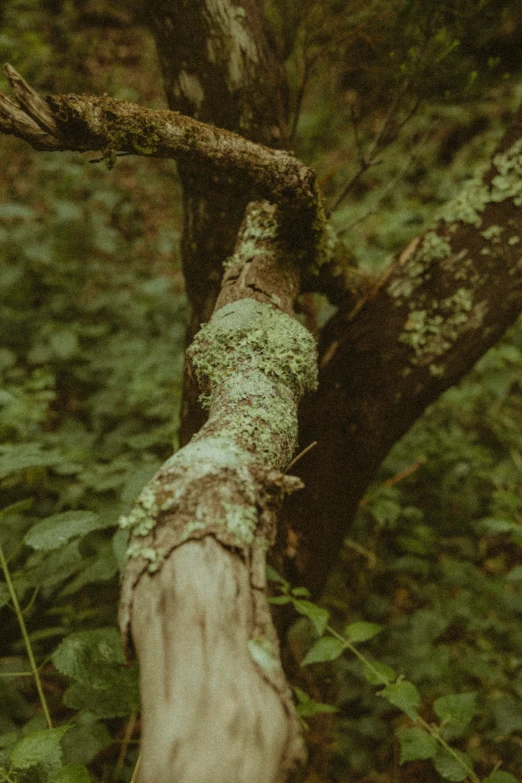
x=55 y=531
x=325 y=649
x=37 y=747
x=280 y=600
x=84 y=655
x=449 y=767
x=71 y=773
x=499 y=776
x=85 y=740
x=116 y=701
x=403 y=695
x=455 y=711
x=379 y=674
x=362 y=631
x=416 y=744
x=316 y=614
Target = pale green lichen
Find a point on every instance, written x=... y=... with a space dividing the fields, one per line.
x=507 y=184
x=240 y=521
x=155 y=558
x=261 y=414
x=475 y=196
x=433 y=247
x=264 y=653
x=142 y=517
x=247 y=335
x=432 y=331
x=513 y=240
x=492 y=232
x=469 y=204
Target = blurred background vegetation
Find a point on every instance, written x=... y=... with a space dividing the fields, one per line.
x=396 y=104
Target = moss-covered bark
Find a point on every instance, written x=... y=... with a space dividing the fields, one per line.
x=213 y=506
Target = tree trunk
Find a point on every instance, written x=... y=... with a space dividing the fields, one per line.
x=194 y=594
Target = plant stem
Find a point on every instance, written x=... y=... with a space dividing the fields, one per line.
x=27 y=641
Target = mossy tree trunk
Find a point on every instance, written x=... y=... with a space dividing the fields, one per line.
x=215 y=702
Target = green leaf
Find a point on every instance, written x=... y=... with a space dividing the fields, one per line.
x=361 y=631
x=403 y=695
x=416 y=744
x=455 y=711
x=84 y=655
x=449 y=767
x=85 y=740
x=499 y=776
x=316 y=614
x=379 y=674
x=64 y=343
x=325 y=649
x=515 y=575
x=37 y=747
x=25 y=456
x=497 y=526
x=308 y=707
x=301 y=592
x=53 y=532
x=71 y=773
x=119 y=698
x=273 y=576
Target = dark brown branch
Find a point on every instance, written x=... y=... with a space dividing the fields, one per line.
x=448 y=297
x=74 y=122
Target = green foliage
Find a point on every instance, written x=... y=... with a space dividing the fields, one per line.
x=92 y=319
x=93 y=322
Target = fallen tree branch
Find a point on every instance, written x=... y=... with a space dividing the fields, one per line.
x=215 y=702
x=89 y=123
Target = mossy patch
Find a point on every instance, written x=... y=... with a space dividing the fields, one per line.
x=248 y=335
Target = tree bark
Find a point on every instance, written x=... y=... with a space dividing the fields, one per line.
x=449 y=295
x=447 y=298
x=220 y=66
x=215 y=701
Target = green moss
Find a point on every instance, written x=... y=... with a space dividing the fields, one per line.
x=247 y=335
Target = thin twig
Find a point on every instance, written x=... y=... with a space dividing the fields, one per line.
x=301 y=454
x=27 y=641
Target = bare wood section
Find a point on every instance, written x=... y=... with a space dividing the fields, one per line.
x=215 y=702
x=211 y=713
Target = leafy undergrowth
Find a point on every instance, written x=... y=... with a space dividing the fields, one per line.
x=92 y=317
x=431 y=569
